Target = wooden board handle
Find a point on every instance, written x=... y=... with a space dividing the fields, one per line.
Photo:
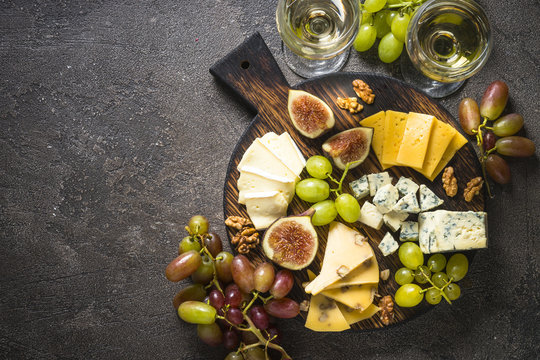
x=252 y=72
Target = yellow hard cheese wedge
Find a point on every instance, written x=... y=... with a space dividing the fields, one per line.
x=355 y=297
x=345 y=250
x=353 y=316
x=394 y=128
x=412 y=150
x=441 y=136
x=367 y=273
x=376 y=121
x=457 y=142
x=324 y=315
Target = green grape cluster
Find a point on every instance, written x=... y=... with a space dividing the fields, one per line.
x=317 y=190
x=438 y=276
x=388 y=21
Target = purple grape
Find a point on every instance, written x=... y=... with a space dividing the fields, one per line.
x=231 y=340
x=235 y=316
x=217 y=299
x=233 y=296
x=260 y=318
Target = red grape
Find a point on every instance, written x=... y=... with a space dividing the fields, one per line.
x=249 y=338
x=183 y=266
x=260 y=318
x=231 y=340
x=516 y=146
x=282 y=308
x=273 y=333
x=194 y=292
x=210 y=334
x=242 y=272
x=233 y=296
x=498 y=169
x=469 y=115
x=508 y=125
x=235 y=316
x=494 y=100
x=223 y=266
x=489 y=140
x=283 y=284
x=264 y=277
x=217 y=299
x=212 y=241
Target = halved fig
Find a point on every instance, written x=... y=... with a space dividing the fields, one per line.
x=310 y=115
x=291 y=241
x=349 y=146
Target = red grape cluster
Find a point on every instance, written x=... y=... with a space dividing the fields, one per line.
x=474 y=121
x=232 y=302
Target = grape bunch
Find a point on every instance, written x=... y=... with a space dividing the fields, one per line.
x=232 y=301
x=475 y=120
x=441 y=284
x=386 y=20
x=317 y=190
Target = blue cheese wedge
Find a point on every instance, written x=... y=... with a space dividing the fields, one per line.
x=406 y=186
x=376 y=181
x=394 y=219
x=388 y=245
x=370 y=216
x=409 y=231
x=385 y=198
x=360 y=187
x=408 y=204
x=428 y=199
x=442 y=231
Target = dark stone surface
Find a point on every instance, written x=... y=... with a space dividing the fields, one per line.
x=114 y=134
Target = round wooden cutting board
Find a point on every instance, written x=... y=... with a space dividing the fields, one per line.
x=252 y=72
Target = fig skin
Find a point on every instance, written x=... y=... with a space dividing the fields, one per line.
x=343 y=149
x=310 y=115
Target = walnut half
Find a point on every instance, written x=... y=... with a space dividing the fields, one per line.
x=449 y=182
x=246 y=238
x=473 y=188
x=363 y=91
x=387 y=309
x=350 y=103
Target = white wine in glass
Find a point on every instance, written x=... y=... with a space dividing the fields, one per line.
x=447 y=42
x=317 y=34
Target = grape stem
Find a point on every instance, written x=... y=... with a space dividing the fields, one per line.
x=339 y=189
x=262 y=341
x=433 y=286
x=483 y=156
x=255 y=297
x=214 y=281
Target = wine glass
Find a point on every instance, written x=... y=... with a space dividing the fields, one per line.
x=317 y=34
x=447 y=42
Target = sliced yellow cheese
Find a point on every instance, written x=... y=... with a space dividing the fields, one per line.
x=441 y=135
x=250 y=182
x=258 y=157
x=457 y=142
x=355 y=297
x=412 y=150
x=324 y=315
x=284 y=148
x=376 y=121
x=367 y=273
x=353 y=316
x=394 y=128
x=345 y=250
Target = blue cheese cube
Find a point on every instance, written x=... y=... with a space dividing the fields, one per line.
x=406 y=186
x=394 y=219
x=385 y=198
x=370 y=216
x=408 y=204
x=360 y=187
x=428 y=199
x=388 y=245
x=376 y=181
x=409 y=231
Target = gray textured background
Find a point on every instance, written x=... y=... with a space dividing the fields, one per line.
x=114 y=134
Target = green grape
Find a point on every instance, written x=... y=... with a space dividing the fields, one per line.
x=404 y=276
x=367 y=18
x=433 y=296
x=373 y=6
x=508 y=125
x=422 y=274
x=457 y=267
x=366 y=37
x=379 y=22
x=389 y=48
x=255 y=353
x=319 y=167
x=325 y=213
x=188 y=243
x=390 y=15
x=196 y=312
x=205 y=272
x=198 y=224
x=210 y=334
x=399 y=26
x=436 y=262
x=439 y=279
x=234 y=356
x=347 y=207
x=408 y=295
x=410 y=255
x=453 y=291
x=312 y=190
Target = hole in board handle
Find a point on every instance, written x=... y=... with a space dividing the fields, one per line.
x=244 y=64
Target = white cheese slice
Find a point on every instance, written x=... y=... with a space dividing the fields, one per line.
x=394 y=219
x=408 y=204
x=377 y=181
x=366 y=273
x=406 y=186
x=258 y=181
x=370 y=215
x=258 y=157
x=284 y=148
x=388 y=245
x=428 y=199
x=385 y=198
x=265 y=207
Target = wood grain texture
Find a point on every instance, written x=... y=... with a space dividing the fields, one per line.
x=391 y=94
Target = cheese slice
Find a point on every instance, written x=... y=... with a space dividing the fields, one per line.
x=284 y=148
x=265 y=207
x=376 y=121
x=355 y=297
x=414 y=144
x=259 y=181
x=441 y=136
x=353 y=316
x=394 y=128
x=324 y=315
x=457 y=142
x=367 y=273
x=345 y=250
x=258 y=157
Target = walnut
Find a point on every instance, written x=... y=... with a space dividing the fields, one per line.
x=449 y=181
x=473 y=188
x=363 y=91
x=237 y=222
x=304 y=305
x=246 y=238
x=342 y=271
x=387 y=309
x=350 y=104
x=243 y=248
